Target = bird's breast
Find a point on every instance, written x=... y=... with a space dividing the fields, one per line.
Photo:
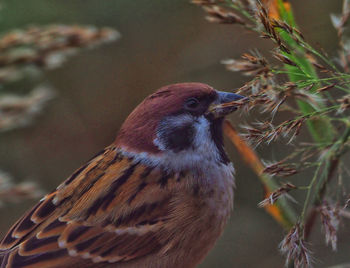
x=201 y=215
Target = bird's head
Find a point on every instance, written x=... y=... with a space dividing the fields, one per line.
x=180 y=120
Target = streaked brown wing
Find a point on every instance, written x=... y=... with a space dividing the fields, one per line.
x=98 y=213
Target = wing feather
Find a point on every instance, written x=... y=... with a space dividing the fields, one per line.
x=99 y=213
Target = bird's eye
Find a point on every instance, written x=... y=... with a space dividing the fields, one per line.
x=191 y=104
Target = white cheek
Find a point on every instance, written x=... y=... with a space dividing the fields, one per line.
x=203 y=142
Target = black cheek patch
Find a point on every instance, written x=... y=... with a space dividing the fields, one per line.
x=178 y=138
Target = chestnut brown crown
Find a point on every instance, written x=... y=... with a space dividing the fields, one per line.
x=139 y=130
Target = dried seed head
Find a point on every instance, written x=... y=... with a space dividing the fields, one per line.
x=314 y=62
x=281 y=169
x=309 y=87
x=345 y=103
x=46 y=47
x=16 y=111
x=269 y=24
x=283 y=25
x=294 y=33
x=293 y=246
x=265 y=21
x=249 y=65
x=284 y=48
x=290 y=86
x=284 y=59
x=239 y=103
x=326 y=87
x=269 y=133
x=330 y=223
x=220 y=15
x=205 y=2
x=273 y=197
x=347 y=203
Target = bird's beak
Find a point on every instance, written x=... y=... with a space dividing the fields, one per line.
x=226 y=103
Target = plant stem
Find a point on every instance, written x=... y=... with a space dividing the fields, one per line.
x=308 y=195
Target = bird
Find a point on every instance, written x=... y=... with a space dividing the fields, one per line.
x=158 y=196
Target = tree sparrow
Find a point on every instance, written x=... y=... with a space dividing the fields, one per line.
x=158 y=197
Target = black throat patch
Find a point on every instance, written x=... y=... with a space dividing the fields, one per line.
x=217 y=136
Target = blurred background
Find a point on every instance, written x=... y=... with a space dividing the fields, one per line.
x=162 y=42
